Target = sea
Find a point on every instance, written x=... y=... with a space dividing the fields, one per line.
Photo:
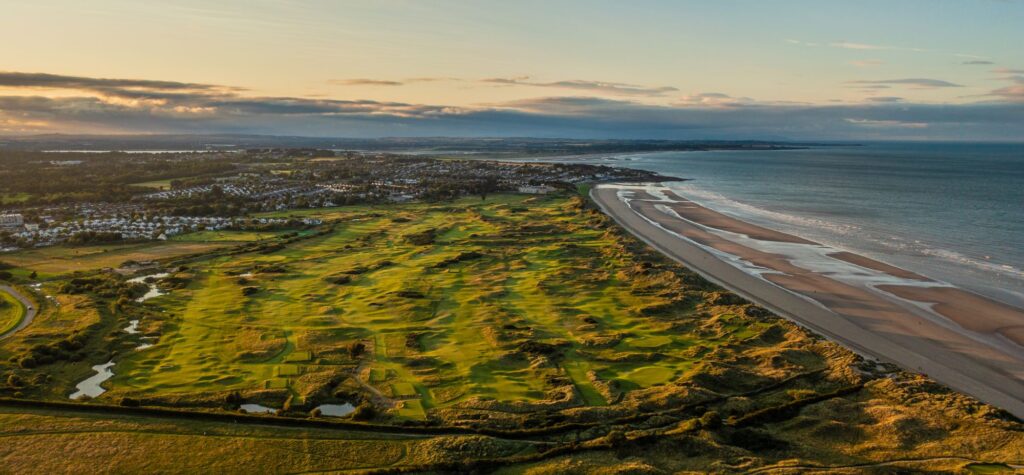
x=950 y=211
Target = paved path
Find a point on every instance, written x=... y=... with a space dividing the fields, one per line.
x=30 y=310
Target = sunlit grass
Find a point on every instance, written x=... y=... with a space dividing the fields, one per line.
x=11 y=312
x=442 y=327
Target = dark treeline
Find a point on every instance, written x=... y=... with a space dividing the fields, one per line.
x=61 y=178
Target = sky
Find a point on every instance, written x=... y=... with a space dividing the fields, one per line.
x=723 y=69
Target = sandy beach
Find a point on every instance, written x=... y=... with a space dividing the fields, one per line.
x=966 y=341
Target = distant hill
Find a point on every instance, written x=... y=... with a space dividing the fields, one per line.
x=523 y=145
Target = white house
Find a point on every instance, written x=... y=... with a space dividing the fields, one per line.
x=536 y=189
x=11 y=221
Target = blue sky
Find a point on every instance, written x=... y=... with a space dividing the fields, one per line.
x=923 y=70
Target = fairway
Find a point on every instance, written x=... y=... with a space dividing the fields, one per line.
x=11 y=312
x=226 y=236
x=66 y=259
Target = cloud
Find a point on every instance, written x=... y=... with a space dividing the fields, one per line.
x=1013 y=92
x=802 y=43
x=615 y=88
x=43 y=80
x=976 y=62
x=124 y=91
x=714 y=99
x=433 y=79
x=870 y=47
x=887 y=123
x=365 y=82
x=923 y=83
x=884 y=99
x=706 y=115
x=867 y=63
x=1008 y=71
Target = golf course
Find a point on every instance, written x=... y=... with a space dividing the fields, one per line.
x=526 y=331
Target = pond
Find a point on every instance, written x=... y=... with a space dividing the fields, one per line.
x=154 y=291
x=257 y=409
x=336 y=410
x=91 y=386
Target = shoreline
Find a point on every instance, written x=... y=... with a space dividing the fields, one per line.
x=871 y=307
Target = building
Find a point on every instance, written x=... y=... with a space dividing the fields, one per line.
x=536 y=189
x=11 y=221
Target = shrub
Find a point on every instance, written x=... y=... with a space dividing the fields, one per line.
x=338 y=279
x=711 y=420
x=27 y=362
x=233 y=399
x=422 y=238
x=364 y=412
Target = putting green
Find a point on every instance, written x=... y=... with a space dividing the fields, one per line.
x=650 y=375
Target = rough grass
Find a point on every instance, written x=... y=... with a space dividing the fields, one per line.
x=101 y=444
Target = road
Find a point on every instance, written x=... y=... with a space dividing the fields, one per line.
x=30 y=310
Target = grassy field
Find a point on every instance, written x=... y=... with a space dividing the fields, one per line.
x=506 y=315
x=226 y=236
x=11 y=312
x=130 y=444
x=49 y=261
x=156 y=184
x=14 y=198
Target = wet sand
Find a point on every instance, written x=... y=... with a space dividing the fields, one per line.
x=968 y=310
x=875 y=265
x=964 y=340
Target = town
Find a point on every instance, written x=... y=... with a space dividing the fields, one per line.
x=219 y=190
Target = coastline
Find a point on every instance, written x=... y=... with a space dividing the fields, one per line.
x=871 y=307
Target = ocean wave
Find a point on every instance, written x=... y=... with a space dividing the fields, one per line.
x=986 y=265
x=902 y=244
x=722 y=203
